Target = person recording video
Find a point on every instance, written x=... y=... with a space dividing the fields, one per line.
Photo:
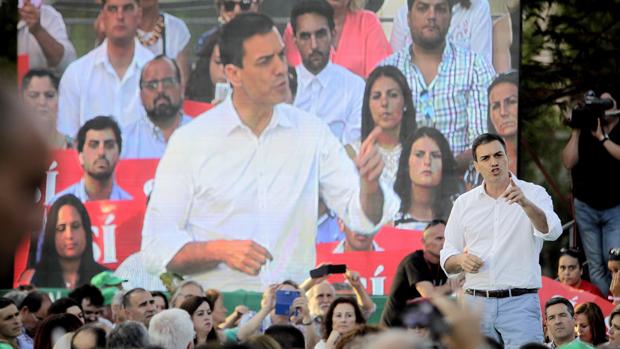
x=593 y=156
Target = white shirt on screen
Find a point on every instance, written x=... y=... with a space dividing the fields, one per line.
x=90 y=87
x=142 y=139
x=53 y=23
x=218 y=181
x=502 y=235
x=471 y=28
x=335 y=95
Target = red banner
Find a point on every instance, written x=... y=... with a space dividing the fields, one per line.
x=23 y=65
x=194 y=108
x=551 y=288
x=377 y=269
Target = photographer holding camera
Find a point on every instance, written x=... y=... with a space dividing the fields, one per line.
x=593 y=156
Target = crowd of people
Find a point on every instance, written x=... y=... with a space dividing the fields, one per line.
x=325 y=133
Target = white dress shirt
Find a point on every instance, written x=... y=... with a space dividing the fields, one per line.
x=502 y=235
x=176 y=36
x=142 y=139
x=53 y=23
x=90 y=87
x=335 y=95
x=471 y=28
x=79 y=190
x=218 y=181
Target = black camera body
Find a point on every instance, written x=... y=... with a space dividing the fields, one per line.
x=585 y=115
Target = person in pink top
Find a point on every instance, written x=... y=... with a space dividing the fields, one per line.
x=359 y=41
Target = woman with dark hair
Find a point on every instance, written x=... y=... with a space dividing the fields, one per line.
x=54 y=327
x=590 y=324
x=161 y=301
x=343 y=316
x=504 y=112
x=220 y=319
x=67 y=254
x=200 y=310
x=388 y=105
x=66 y=305
x=425 y=182
x=207 y=72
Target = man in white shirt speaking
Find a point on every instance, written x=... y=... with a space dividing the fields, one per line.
x=494 y=234
x=235 y=197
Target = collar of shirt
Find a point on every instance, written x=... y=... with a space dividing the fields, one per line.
x=231 y=120
x=482 y=192
x=305 y=77
x=156 y=130
x=141 y=56
x=447 y=56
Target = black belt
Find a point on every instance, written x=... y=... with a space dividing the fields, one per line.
x=513 y=292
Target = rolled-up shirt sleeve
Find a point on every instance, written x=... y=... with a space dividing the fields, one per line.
x=340 y=187
x=166 y=221
x=454 y=242
x=543 y=201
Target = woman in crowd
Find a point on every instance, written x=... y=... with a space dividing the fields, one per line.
x=343 y=316
x=504 y=112
x=67 y=255
x=220 y=320
x=590 y=324
x=53 y=327
x=614 y=328
x=207 y=72
x=425 y=182
x=66 y=305
x=388 y=105
x=359 y=42
x=200 y=310
x=161 y=301
x=40 y=94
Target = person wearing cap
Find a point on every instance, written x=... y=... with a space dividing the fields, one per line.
x=613 y=264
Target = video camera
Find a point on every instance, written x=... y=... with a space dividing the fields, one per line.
x=585 y=114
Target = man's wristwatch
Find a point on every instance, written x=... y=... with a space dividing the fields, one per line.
x=605 y=138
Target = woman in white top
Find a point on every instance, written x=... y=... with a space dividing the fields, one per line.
x=388 y=105
x=426 y=182
x=343 y=316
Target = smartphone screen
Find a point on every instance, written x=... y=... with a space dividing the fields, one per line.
x=284 y=300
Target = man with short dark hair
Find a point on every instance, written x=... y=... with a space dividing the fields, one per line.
x=570 y=271
x=448 y=82
x=354 y=242
x=161 y=93
x=99 y=144
x=139 y=305
x=105 y=80
x=32 y=310
x=10 y=322
x=325 y=89
x=250 y=194
x=494 y=234
x=289 y=337
x=419 y=275
x=559 y=313
x=91 y=300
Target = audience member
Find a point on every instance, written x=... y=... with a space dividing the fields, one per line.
x=455 y=99
x=596 y=193
x=570 y=271
x=387 y=105
x=32 y=310
x=42 y=35
x=230 y=248
x=263 y=342
x=359 y=42
x=128 y=335
x=10 y=322
x=355 y=242
x=420 y=275
x=504 y=112
x=494 y=234
x=91 y=300
x=289 y=337
x=357 y=337
x=614 y=328
x=53 y=328
x=206 y=73
x=396 y=339
x=165 y=34
x=40 y=94
x=67 y=258
x=185 y=290
x=470 y=27
x=613 y=264
x=220 y=319
x=17 y=296
x=105 y=80
x=66 y=305
x=139 y=305
x=89 y=337
x=325 y=89
x=590 y=324
x=200 y=311
x=161 y=92
x=426 y=181
x=226 y=11
x=118 y=312
x=99 y=145
x=343 y=315
x=172 y=329
x=559 y=314
x=161 y=301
